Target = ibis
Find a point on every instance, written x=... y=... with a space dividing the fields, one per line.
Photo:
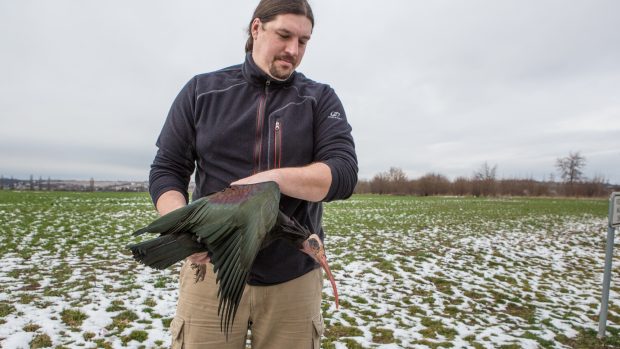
x=232 y=226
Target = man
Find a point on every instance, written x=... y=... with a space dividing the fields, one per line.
x=254 y=122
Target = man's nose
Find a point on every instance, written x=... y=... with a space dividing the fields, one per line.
x=292 y=48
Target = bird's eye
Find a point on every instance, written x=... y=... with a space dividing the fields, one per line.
x=314 y=244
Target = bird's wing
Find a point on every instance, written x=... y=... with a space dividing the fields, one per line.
x=234 y=242
x=176 y=220
x=173 y=243
x=165 y=250
x=230 y=224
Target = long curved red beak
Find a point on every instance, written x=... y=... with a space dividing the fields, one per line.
x=314 y=248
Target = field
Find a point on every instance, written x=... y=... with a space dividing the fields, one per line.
x=412 y=273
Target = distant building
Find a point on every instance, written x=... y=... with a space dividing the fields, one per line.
x=72 y=185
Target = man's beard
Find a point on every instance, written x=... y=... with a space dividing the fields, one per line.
x=282 y=73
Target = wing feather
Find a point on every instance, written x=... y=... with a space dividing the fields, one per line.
x=231 y=225
x=174 y=221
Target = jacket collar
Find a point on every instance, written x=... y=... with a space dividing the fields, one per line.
x=255 y=75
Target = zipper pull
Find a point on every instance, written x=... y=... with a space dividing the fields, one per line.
x=277 y=125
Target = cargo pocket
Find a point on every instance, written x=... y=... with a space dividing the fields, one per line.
x=317 y=323
x=176 y=330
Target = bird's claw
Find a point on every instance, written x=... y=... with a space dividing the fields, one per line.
x=201 y=271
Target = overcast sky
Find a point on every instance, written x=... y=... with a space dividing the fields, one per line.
x=428 y=86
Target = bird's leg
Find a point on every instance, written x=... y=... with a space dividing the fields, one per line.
x=199 y=264
x=201 y=271
x=314 y=248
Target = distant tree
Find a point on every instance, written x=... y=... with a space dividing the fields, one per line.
x=362 y=187
x=522 y=187
x=396 y=175
x=398 y=181
x=571 y=167
x=484 y=180
x=485 y=172
x=92 y=184
x=483 y=183
x=594 y=187
x=461 y=186
x=433 y=184
x=393 y=181
x=379 y=184
x=31 y=183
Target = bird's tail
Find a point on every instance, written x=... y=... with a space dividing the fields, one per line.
x=165 y=250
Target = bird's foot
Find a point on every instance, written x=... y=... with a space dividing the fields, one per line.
x=201 y=271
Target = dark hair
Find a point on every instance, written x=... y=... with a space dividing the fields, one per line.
x=268 y=10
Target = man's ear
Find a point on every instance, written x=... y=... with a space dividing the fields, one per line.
x=256 y=23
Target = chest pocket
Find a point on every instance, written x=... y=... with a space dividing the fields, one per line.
x=291 y=139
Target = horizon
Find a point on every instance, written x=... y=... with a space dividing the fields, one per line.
x=545 y=180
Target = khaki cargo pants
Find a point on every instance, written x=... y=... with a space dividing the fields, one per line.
x=286 y=315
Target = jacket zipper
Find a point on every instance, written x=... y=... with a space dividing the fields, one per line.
x=260 y=116
x=277 y=149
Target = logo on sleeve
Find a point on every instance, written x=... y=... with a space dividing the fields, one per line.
x=334 y=115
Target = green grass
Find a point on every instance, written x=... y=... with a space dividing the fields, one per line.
x=41 y=341
x=382 y=335
x=150 y=302
x=89 y=336
x=137 y=335
x=31 y=327
x=73 y=317
x=6 y=309
x=116 y=305
x=425 y=265
x=123 y=320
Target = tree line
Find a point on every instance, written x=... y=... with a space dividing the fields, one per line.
x=484 y=182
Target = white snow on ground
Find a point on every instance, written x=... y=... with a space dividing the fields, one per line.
x=407 y=277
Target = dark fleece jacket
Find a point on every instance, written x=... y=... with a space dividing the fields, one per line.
x=237 y=121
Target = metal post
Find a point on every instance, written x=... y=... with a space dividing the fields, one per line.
x=607 y=273
x=606 y=282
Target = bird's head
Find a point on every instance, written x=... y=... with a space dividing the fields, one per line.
x=314 y=248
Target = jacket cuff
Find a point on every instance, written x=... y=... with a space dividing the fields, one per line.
x=344 y=179
x=156 y=190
